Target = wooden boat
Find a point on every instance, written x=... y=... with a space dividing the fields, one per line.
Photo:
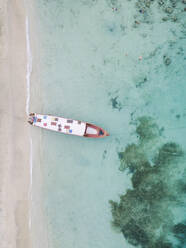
x=67 y=126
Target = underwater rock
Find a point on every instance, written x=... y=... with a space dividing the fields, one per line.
x=138 y=5
x=147 y=4
x=173 y=4
x=111 y=27
x=180 y=233
x=180 y=228
x=115 y=103
x=136 y=24
x=104 y=154
x=184 y=1
x=174 y=19
x=165 y=19
x=141 y=82
x=166 y=60
x=160 y=2
x=169 y=10
x=142 y=10
x=150 y=206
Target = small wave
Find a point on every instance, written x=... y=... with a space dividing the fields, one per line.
x=28 y=76
x=29 y=65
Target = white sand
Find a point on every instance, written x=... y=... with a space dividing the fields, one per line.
x=14 y=131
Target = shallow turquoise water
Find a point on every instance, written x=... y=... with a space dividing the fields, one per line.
x=90 y=70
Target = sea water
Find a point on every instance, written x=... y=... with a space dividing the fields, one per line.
x=105 y=62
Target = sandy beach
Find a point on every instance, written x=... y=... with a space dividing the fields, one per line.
x=14 y=131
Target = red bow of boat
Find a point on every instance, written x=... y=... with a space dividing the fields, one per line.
x=93 y=131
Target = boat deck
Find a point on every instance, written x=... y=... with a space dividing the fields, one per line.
x=60 y=124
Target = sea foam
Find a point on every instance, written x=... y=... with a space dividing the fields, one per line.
x=28 y=75
x=29 y=65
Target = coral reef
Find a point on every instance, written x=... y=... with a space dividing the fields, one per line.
x=146 y=214
x=169 y=8
x=179 y=231
x=141 y=82
x=166 y=60
x=115 y=103
x=147 y=129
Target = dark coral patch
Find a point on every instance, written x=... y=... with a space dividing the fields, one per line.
x=115 y=103
x=158 y=189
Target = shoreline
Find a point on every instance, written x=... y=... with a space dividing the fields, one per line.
x=28 y=79
x=39 y=233
x=15 y=133
x=29 y=64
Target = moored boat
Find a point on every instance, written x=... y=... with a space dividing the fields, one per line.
x=66 y=126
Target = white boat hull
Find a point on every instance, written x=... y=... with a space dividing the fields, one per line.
x=66 y=126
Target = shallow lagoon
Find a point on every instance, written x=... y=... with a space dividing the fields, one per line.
x=107 y=63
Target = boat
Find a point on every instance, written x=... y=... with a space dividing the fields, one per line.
x=66 y=126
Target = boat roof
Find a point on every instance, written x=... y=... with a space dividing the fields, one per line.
x=60 y=124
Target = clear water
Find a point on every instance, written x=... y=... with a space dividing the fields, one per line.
x=91 y=70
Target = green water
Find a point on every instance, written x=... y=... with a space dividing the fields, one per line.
x=106 y=62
